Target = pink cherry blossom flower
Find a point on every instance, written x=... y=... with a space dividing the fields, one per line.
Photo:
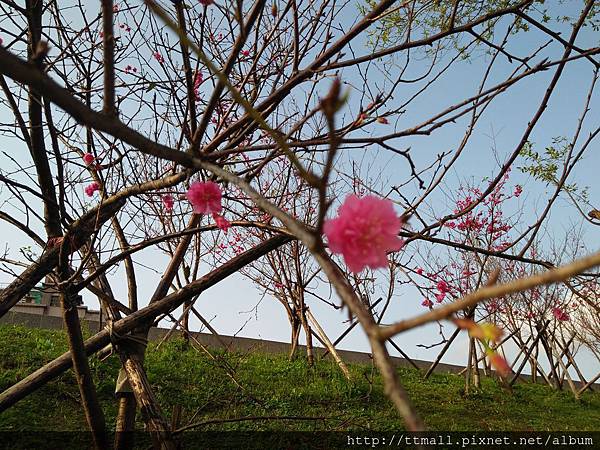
x=442 y=286
x=518 y=190
x=245 y=52
x=365 y=230
x=157 y=56
x=205 y=197
x=91 y=188
x=427 y=303
x=440 y=296
x=198 y=79
x=168 y=202
x=88 y=158
x=419 y=271
x=221 y=222
x=560 y=314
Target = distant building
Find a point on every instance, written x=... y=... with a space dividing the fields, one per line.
x=44 y=300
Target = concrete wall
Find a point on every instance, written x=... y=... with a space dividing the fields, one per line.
x=55 y=311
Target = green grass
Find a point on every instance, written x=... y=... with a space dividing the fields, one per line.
x=274 y=386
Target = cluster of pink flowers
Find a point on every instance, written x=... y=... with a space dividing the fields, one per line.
x=484 y=223
x=130 y=68
x=157 y=56
x=560 y=315
x=441 y=286
x=198 y=79
x=518 y=190
x=490 y=219
x=443 y=289
x=364 y=231
x=206 y=198
x=427 y=303
x=125 y=27
x=91 y=188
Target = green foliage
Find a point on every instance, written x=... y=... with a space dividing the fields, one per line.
x=274 y=386
x=545 y=167
x=426 y=18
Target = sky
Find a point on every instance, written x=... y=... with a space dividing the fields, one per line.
x=236 y=307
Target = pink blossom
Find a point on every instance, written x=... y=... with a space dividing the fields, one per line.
x=91 y=188
x=168 y=202
x=88 y=158
x=198 y=79
x=467 y=272
x=221 y=222
x=442 y=286
x=158 y=57
x=560 y=314
x=440 y=296
x=427 y=303
x=419 y=271
x=205 y=197
x=492 y=306
x=518 y=190
x=245 y=53
x=364 y=231
x=382 y=120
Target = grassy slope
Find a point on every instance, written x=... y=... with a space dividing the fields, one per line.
x=200 y=386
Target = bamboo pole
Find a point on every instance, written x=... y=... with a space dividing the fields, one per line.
x=327 y=343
